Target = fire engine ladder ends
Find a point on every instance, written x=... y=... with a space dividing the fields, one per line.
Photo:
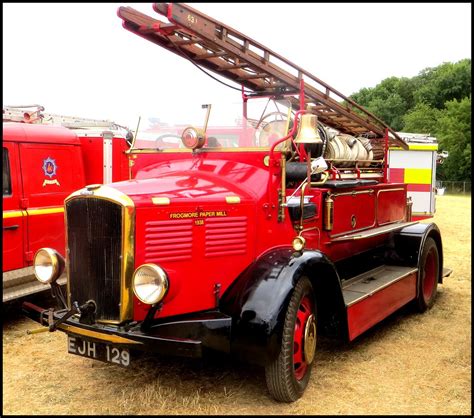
x=210 y=44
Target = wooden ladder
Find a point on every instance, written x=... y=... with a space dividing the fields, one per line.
x=227 y=52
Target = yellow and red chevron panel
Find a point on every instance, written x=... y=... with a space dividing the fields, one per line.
x=417 y=168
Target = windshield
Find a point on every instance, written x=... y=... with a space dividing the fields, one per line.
x=229 y=126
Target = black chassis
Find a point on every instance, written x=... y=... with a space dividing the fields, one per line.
x=248 y=320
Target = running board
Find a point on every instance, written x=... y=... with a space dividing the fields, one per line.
x=372 y=232
x=375 y=294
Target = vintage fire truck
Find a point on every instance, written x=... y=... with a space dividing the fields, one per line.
x=45 y=158
x=248 y=235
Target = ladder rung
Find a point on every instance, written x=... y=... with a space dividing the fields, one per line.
x=186 y=42
x=252 y=76
x=210 y=55
x=232 y=66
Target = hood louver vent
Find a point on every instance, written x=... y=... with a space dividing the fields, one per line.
x=168 y=240
x=226 y=236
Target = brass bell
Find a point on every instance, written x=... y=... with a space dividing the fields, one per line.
x=308 y=130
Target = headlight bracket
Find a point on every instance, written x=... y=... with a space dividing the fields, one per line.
x=146 y=324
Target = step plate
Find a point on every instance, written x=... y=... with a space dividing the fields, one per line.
x=374 y=295
x=366 y=284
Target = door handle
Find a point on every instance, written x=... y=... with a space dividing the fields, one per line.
x=11 y=227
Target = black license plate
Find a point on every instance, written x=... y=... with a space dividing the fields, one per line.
x=98 y=351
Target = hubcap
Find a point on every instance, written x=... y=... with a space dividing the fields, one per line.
x=310 y=339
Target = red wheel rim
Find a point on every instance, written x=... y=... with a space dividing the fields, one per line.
x=300 y=364
x=430 y=276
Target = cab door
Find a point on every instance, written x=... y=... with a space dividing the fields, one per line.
x=13 y=215
x=54 y=171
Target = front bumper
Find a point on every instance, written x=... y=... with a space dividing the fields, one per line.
x=187 y=336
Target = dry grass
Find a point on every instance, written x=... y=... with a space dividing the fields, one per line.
x=409 y=364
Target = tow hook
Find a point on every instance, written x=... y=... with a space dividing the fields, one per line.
x=87 y=308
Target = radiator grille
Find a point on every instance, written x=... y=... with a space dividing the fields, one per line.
x=94 y=242
x=226 y=236
x=168 y=240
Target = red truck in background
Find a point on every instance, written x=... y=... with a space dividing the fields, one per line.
x=45 y=158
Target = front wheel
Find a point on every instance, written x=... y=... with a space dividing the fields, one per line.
x=428 y=276
x=288 y=376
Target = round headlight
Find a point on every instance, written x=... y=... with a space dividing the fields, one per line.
x=48 y=265
x=150 y=283
x=298 y=243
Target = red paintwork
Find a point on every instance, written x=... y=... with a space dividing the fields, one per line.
x=93 y=152
x=361 y=316
x=421 y=217
x=361 y=206
x=23 y=132
x=47 y=163
x=200 y=182
x=397 y=175
x=391 y=204
x=419 y=188
x=13 y=239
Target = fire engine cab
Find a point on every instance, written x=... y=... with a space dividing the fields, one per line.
x=249 y=234
x=45 y=158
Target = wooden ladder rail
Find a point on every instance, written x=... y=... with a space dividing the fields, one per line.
x=226 y=51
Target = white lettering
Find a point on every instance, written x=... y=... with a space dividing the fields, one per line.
x=71 y=345
x=82 y=350
x=91 y=349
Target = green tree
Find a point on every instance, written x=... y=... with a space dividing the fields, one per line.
x=448 y=81
x=389 y=100
x=454 y=135
x=421 y=119
x=437 y=102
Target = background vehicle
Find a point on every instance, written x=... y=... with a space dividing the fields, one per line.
x=251 y=249
x=45 y=158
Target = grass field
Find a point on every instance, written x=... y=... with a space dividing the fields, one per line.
x=409 y=364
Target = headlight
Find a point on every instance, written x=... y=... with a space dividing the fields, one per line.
x=150 y=283
x=298 y=243
x=48 y=265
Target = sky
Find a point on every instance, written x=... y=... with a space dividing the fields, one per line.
x=76 y=59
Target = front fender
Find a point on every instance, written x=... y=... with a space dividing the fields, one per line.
x=258 y=299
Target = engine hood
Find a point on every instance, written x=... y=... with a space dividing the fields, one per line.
x=182 y=182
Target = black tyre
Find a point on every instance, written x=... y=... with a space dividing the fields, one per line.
x=427 y=276
x=288 y=376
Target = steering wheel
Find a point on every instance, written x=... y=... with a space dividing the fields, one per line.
x=266 y=133
x=167 y=135
x=269 y=115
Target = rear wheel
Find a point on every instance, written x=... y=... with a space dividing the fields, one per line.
x=428 y=276
x=288 y=376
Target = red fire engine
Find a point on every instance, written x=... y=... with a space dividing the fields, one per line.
x=45 y=158
x=247 y=236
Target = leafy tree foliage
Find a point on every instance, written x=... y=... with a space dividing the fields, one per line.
x=421 y=119
x=453 y=130
x=443 y=83
x=436 y=102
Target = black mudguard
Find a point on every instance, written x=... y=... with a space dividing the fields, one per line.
x=258 y=299
x=410 y=240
